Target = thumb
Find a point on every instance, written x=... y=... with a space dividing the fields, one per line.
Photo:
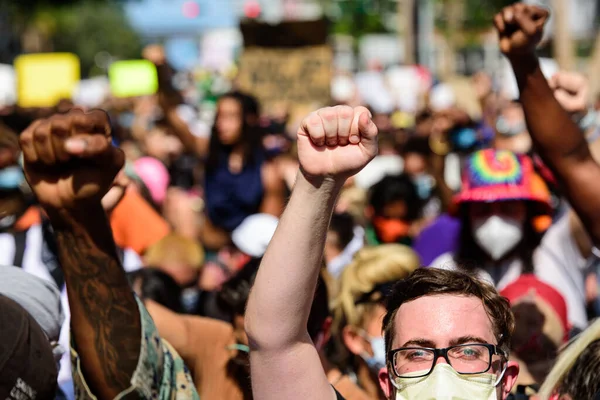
x=98 y=148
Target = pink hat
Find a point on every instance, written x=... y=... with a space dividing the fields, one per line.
x=495 y=175
x=154 y=175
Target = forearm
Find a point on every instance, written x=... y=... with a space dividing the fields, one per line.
x=280 y=301
x=557 y=138
x=196 y=145
x=560 y=143
x=105 y=320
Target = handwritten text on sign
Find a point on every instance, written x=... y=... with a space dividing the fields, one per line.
x=296 y=77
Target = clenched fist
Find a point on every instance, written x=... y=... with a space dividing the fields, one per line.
x=336 y=142
x=520 y=28
x=69 y=159
x=571 y=89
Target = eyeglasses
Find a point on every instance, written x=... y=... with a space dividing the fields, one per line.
x=466 y=359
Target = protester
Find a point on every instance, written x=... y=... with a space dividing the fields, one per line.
x=556 y=137
x=576 y=373
x=358 y=309
x=541 y=328
x=69 y=175
x=454 y=309
x=239 y=181
x=394 y=210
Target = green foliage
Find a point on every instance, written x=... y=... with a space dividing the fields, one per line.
x=90 y=27
x=358 y=17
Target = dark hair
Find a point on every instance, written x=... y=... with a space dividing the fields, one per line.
x=250 y=137
x=470 y=255
x=158 y=286
x=234 y=293
x=394 y=188
x=582 y=382
x=343 y=226
x=418 y=145
x=434 y=281
x=319 y=311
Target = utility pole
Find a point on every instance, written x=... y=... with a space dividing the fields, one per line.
x=564 y=50
x=406 y=29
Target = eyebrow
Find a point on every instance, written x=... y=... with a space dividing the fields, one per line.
x=421 y=342
x=468 y=339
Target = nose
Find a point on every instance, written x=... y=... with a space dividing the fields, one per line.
x=441 y=360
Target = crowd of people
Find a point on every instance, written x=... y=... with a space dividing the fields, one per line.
x=338 y=257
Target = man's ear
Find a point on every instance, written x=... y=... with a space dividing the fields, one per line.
x=353 y=341
x=385 y=382
x=510 y=378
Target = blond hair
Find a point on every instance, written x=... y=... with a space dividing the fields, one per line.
x=371 y=266
x=175 y=248
x=568 y=358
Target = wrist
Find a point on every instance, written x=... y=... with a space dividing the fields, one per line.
x=523 y=60
x=78 y=215
x=331 y=184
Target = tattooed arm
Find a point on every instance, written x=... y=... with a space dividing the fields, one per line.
x=105 y=321
x=70 y=164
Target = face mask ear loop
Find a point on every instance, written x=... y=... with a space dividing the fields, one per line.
x=501 y=375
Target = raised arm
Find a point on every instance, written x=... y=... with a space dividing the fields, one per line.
x=70 y=164
x=556 y=137
x=333 y=144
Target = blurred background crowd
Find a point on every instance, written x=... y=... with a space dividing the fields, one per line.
x=205 y=98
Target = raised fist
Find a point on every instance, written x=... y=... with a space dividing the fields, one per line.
x=69 y=159
x=520 y=28
x=336 y=142
x=571 y=89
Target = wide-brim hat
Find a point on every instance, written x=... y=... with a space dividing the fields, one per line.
x=499 y=175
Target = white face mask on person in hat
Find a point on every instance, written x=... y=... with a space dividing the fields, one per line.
x=445 y=383
x=497 y=234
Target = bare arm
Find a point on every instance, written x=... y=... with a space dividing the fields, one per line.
x=192 y=143
x=105 y=320
x=284 y=361
x=557 y=138
x=70 y=164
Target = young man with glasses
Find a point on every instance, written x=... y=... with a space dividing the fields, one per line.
x=447 y=334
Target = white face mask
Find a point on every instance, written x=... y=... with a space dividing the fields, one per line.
x=447 y=384
x=376 y=362
x=497 y=235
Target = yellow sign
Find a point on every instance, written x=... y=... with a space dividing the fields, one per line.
x=297 y=77
x=133 y=78
x=44 y=79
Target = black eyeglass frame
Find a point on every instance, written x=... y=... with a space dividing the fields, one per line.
x=437 y=353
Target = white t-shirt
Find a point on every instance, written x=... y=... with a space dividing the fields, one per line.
x=557 y=262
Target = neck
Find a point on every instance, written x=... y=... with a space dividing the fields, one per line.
x=366 y=382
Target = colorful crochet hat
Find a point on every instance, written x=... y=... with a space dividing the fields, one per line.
x=491 y=175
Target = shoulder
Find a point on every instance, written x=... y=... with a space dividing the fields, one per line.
x=208 y=330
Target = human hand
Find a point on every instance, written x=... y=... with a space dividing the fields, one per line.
x=483 y=85
x=520 y=28
x=69 y=160
x=571 y=89
x=336 y=142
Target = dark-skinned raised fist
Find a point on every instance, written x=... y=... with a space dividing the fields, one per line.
x=69 y=159
x=520 y=28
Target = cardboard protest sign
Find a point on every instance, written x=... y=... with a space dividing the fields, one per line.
x=44 y=79
x=133 y=78
x=287 y=64
x=295 y=77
